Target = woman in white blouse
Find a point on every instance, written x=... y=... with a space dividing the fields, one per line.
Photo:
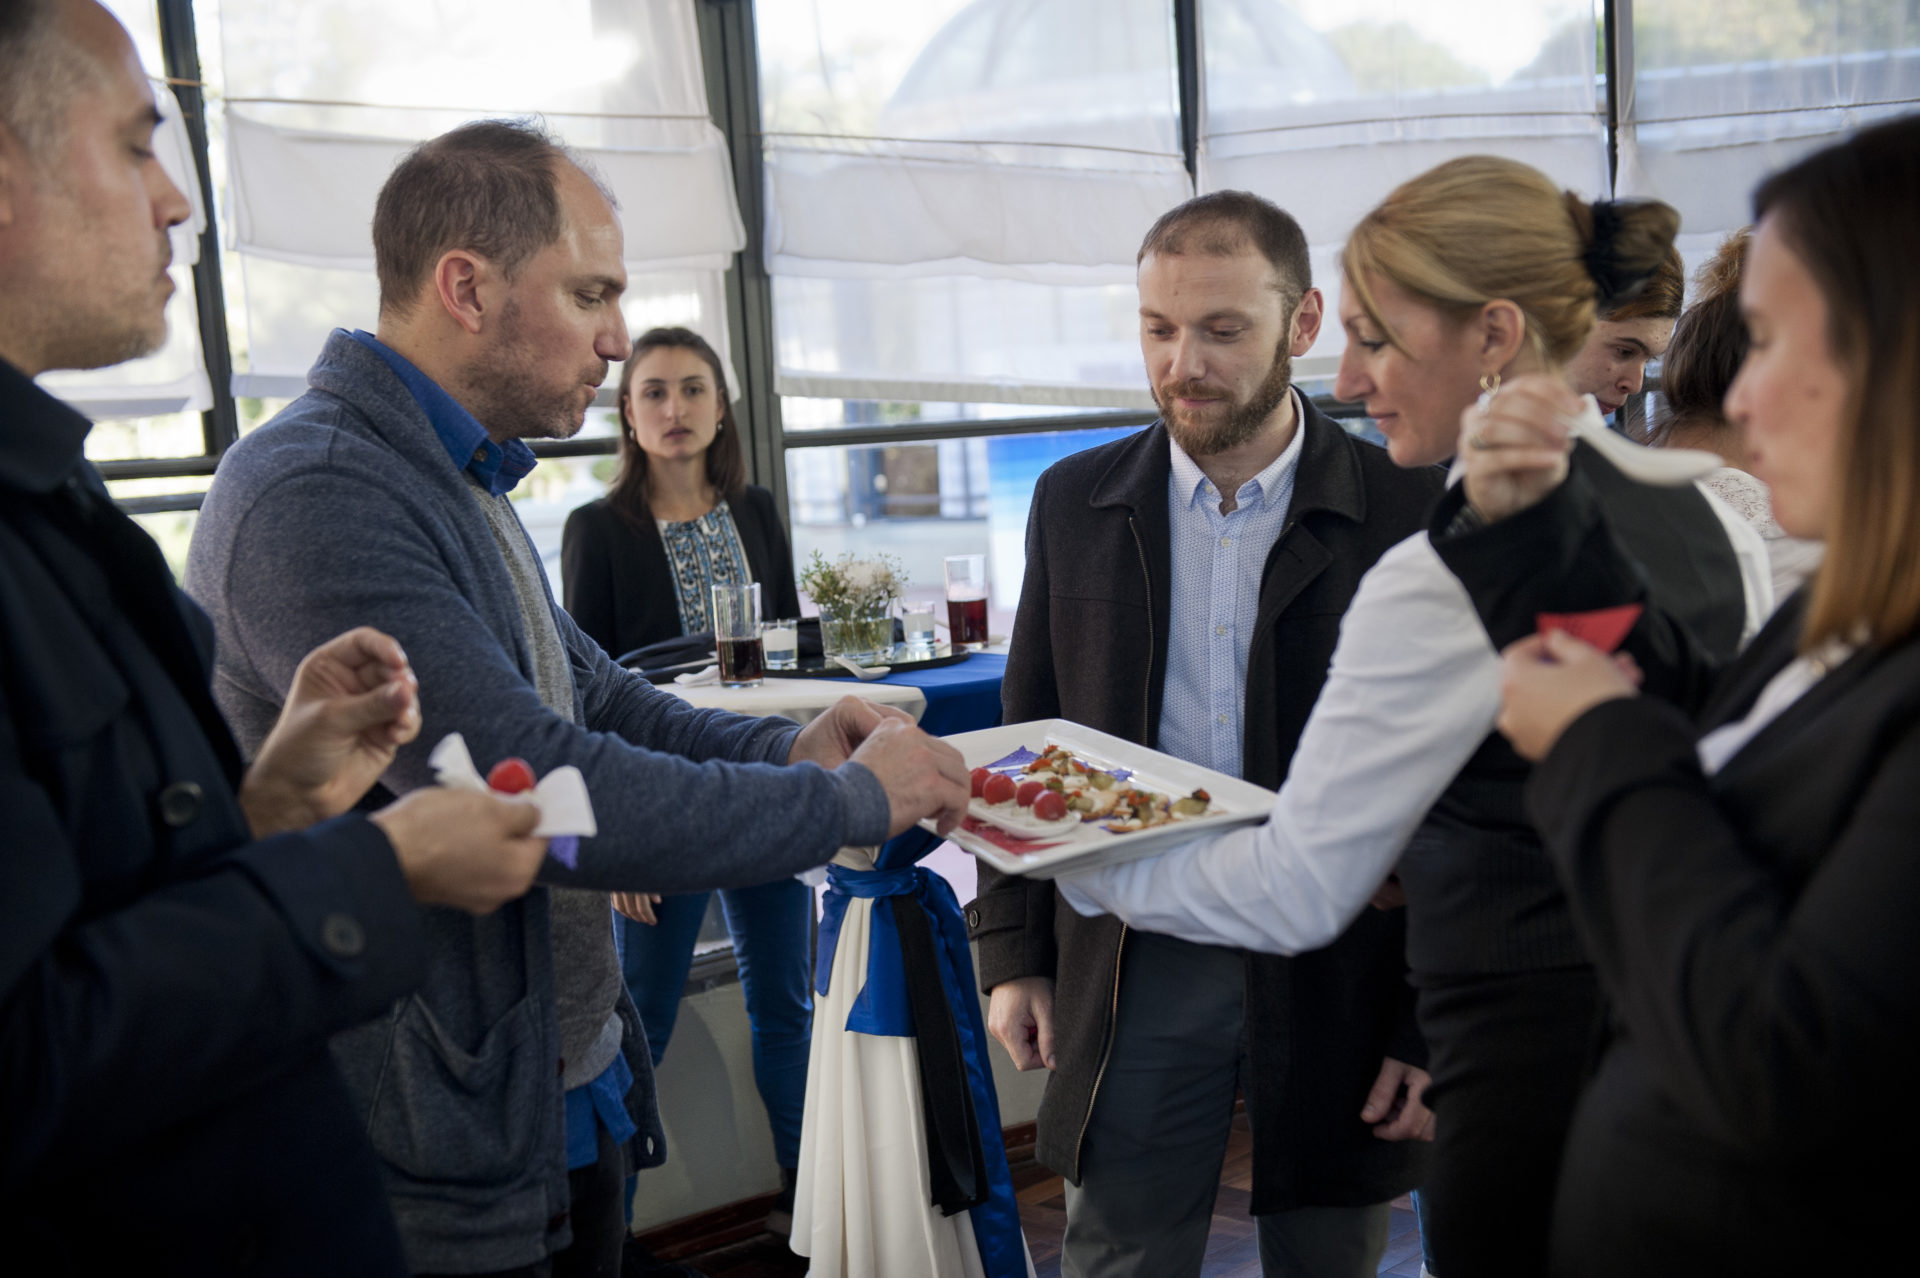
x=1709 y=343
x=1478 y=271
x=1738 y=848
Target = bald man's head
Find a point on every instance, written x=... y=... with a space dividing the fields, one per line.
x=45 y=59
x=85 y=205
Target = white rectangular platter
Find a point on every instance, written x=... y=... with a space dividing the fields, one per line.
x=1235 y=802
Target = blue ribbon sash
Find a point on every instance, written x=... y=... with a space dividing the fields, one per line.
x=885 y=1007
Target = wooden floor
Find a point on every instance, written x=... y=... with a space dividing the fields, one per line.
x=1232 y=1249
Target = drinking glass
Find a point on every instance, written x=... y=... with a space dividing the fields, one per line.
x=781 y=642
x=736 y=634
x=967 y=598
x=916 y=620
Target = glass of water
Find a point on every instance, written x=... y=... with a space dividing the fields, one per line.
x=916 y=620
x=780 y=640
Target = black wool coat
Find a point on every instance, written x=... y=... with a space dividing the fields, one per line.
x=167 y=985
x=1090 y=645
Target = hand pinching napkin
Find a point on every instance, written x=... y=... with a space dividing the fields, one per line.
x=566 y=814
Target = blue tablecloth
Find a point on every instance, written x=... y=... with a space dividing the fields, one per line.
x=960 y=698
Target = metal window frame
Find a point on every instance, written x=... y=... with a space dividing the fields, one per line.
x=219 y=424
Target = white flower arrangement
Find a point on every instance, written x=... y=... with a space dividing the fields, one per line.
x=852 y=587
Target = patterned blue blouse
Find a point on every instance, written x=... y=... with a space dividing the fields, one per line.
x=703 y=553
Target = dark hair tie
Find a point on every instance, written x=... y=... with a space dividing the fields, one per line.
x=1616 y=282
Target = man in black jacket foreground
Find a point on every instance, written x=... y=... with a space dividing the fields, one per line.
x=178 y=937
x=1184 y=589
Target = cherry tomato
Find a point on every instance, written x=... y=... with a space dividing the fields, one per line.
x=1050 y=806
x=510 y=776
x=979 y=777
x=1028 y=792
x=998 y=789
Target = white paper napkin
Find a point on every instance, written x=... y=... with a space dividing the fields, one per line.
x=561 y=795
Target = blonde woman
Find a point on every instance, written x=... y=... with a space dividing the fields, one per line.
x=1474 y=273
x=1738 y=850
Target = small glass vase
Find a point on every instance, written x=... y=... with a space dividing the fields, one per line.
x=864 y=638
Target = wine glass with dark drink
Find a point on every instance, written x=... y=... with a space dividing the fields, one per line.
x=736 y=635
x=967 y=599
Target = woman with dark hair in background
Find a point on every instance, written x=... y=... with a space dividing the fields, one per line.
x=637 y=567
x=1738 y=847
x=1708 y=345
x=1612 y=366
x=1474 y=273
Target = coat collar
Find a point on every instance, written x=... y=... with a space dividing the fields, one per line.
x=1328 y=478
x=41 y=439
x=354 y=373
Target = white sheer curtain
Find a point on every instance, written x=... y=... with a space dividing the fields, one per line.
x=174 y=378
x=1324 y=106
x=322 y=99
x=1717 y=93
x=955 y=193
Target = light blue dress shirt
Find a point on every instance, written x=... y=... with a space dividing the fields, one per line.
x=1216 y=565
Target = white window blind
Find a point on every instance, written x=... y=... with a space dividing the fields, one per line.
x=955 y=194
x=1718 y=93
x=322 y=100
x=1324 y=106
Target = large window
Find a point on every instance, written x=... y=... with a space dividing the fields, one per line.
x=912 y=226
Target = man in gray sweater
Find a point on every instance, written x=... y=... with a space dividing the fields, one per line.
x=379 y=497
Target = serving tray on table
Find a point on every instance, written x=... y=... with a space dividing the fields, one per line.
x=903 y=658
x=1017 y=844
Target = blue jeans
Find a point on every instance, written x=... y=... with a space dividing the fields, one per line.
x=772 y=929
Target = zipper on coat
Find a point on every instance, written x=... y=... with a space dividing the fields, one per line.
x=1106 y=1051
x=1146 y=725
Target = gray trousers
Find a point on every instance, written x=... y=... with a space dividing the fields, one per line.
x=1150 y=1164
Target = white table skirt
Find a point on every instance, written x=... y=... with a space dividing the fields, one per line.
x=862 y=1207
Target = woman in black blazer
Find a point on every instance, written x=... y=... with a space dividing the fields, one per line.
x=1740 y=848
x=636 y=567
x=681 y=467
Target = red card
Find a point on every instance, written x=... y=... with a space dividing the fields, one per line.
x=1604 y=628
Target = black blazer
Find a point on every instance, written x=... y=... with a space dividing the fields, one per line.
x=1755 y=932
x=619 y=587
x=167 y=986
x=1089 y=644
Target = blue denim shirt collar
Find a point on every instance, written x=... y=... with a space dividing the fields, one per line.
x=498 y=467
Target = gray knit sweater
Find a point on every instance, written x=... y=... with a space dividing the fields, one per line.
x=345 y=510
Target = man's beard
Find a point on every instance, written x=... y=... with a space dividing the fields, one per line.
x=1240 y=423
x=506 y=388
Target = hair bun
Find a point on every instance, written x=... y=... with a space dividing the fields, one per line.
x=1616 y=279
x=1626 y=242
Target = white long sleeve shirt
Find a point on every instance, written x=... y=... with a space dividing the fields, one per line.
x=1413 y=690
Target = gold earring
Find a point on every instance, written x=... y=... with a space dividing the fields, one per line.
x=1489 y=383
